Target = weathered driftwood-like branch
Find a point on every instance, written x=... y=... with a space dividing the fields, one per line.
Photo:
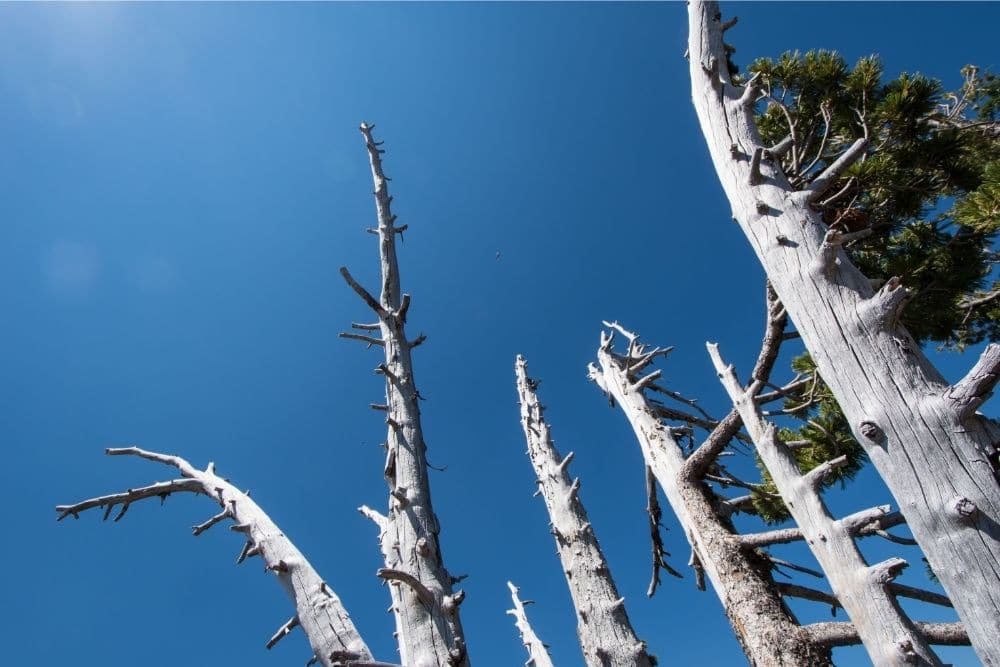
x=740 y=577
x=426 y=608
x=887 y=633
x=933 y=452
x=720 y=437
x=325 y=621
x=606 y=635
x=538 y=655
x=845 y=634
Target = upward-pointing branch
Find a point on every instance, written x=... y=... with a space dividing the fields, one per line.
x=538 y=656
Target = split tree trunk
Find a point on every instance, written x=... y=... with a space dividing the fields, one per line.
x=767 y=631
x=426 y=608
x=602 y=625
x=923 y=435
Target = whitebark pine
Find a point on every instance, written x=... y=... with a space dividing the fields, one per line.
x=923 y=436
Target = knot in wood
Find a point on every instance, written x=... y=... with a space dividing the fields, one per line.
x=907 y=652
x=870 y=430
x=423 y=548
x=962 y=509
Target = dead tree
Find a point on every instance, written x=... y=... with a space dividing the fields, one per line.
x=739 y=573
x=424 y=603
x=889 y=636
x=318 y=611
x=538 y=655
x=923 y=436
x=606 y=635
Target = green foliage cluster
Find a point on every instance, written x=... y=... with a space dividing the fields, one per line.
x=927 y=188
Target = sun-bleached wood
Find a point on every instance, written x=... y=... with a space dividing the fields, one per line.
x=606 y=635
x=921 y=434
x=768 y=633
x=538 y=655
x=886 y=632
x=425 y=606
x=331 y=633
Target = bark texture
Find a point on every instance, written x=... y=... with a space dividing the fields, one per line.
x=922 y=435
x=862 y=590
x=537 y=653
x=425 y=606
x=767 y=631
x=326 y=623
x=606 y=635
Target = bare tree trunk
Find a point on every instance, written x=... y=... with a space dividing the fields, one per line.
x=606 y=635
x=765 y=628
x=537 y=654
x=318 y=610
x=426 y=608
x=888 y=635
x=923 y=436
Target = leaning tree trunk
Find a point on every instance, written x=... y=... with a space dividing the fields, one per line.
x=602 y=624
x=923 y=435
x=319 y=612
x=425 y=606
x=538 y=654
x=765 y=628
x=887 y=633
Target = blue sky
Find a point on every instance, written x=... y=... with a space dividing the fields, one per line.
x=178 y=187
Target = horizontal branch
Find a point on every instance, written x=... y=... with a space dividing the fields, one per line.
x=833 y=634
x=364 y=339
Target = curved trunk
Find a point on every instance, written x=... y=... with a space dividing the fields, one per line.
x=923 y=436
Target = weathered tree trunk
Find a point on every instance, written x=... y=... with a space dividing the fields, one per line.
x=331 y=633
x=764 y=626
x=923 y=436
x=426 y=609
x=537 y=654
x=606 y=635
x=888 y=635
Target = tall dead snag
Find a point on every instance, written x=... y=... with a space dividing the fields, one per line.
x=538 y=656
x=888 y=635
x=768 y=633
x=924 y=436
x=318 y=610
x=425 y=606
x=606 y=635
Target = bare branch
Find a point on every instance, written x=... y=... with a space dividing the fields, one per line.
x=971 y=391
x=327 y=624
x=362 y=292
x=537 y=653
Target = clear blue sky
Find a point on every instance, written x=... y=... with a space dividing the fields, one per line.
x=178 y=186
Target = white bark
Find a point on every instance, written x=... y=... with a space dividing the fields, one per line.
x=538 y=655
x=426 y=608
x=922 y=435
x=318 y=610
x=765 y=628
x=888 y=635
x=606 y=635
